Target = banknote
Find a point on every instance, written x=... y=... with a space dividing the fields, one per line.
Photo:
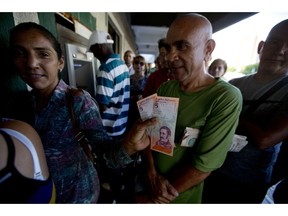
x=145 y=106
x=163 y=133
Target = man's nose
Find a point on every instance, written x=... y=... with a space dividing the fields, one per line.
x=172 y=55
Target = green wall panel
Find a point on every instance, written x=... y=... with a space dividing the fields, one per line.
x=48 y=20
x=6 y=23
x=11 y=85
x=86 y=19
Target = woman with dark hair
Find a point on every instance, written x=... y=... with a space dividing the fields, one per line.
x=38 y=59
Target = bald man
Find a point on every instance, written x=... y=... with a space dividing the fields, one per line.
x=205 y=103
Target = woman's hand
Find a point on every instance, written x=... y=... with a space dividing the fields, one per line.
x=137 y=138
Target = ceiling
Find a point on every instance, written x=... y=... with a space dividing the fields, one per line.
x=150 y=27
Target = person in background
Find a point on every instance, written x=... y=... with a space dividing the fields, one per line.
x=157 y=62
x=161 y=75
x=128 y=58
x=246 y=175
x=138 y=79
x=217 y=68
x=37 y=57
x=128 y=175
x=137 y=82
x=24 y=174
x=151 y=69
x=210 y=105
x=113 y=84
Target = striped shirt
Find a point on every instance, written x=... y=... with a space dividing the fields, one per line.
x=113 y=90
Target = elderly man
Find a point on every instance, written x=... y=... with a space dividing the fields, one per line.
x=205 y=103
x=128 y=58
x=161 y=75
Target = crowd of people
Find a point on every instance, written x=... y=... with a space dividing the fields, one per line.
x=45 y=155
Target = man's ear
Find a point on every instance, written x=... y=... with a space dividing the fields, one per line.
x=260 y=47
x=209 y=47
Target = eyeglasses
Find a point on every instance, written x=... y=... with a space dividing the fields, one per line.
x=137 y=62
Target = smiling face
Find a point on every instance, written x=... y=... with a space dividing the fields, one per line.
x=36 y=60
x=273 y=52
x=189 y=47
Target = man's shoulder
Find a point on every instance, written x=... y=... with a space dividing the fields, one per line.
x=154 y=74
x=226 y=85
x=169 y=87
x=226 y=90
x=241 y=79
x=113 y=64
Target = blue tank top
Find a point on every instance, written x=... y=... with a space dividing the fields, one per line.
x=16 y=188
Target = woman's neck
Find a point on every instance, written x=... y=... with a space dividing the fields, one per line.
x=139 y=74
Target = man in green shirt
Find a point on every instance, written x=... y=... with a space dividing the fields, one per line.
x=206 y=103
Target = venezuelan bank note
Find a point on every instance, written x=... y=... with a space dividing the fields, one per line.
x=163 y=133
x=145 y=106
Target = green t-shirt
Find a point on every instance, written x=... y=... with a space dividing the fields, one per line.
x=214 y=111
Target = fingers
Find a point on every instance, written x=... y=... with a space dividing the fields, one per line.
x=147 y=123
x=140 y=127
x=137 y=139
x=171 y=190
x=164 y=192
x=164 y=198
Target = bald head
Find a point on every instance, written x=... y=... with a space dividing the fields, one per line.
x=273 y=53
x=194 y=24
x=189 y=46
x=280 y=28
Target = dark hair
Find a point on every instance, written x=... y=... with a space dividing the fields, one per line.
x=167 y=129
x=162 y=43
x=127 y=51
x=31 y=25
x=221 y=61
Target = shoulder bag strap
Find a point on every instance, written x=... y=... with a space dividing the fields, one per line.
x=79 y=135
x=267 y=94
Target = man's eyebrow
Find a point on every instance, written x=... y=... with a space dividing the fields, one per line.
x=180 y=41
